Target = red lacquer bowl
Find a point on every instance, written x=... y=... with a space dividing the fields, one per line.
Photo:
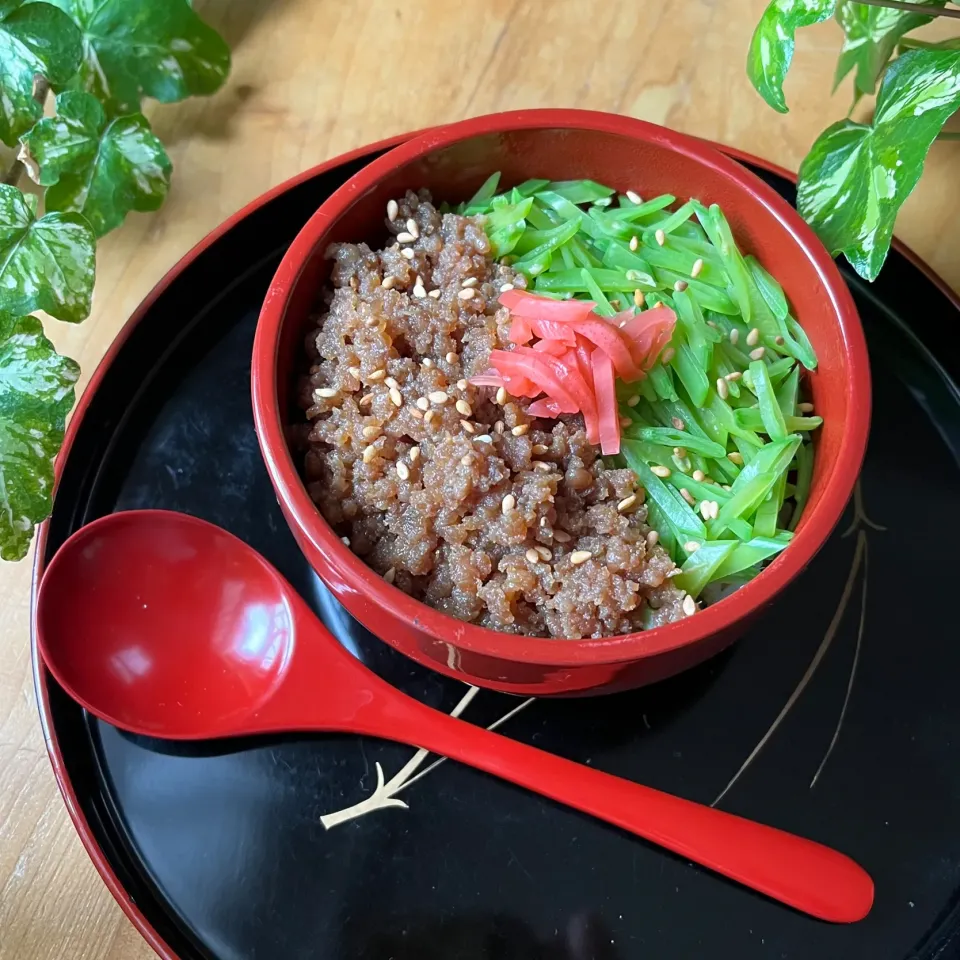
x=627 y=154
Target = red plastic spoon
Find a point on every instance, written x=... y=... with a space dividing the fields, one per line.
x=165 y=625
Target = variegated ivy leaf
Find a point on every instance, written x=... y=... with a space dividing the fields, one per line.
x=856 y=176
x=36 y=394
x=771 y=48
x=98 y=168
x=153 y=48
x=36 y=39
x=45 y=264
x=871 y=35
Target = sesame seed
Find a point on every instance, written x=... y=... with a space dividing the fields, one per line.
x=498 y=427
x=667 y=355
x=735 y=457
x=393 y=209
x=405 y=237
x=354 y=372
x=435 y=294
x=468 y=426
x=734 y=335
x=365 y=399
x=699 y=476
x=680 y=452
x=419 y=291
x=532 y=555
x=653 y=538
x=626 y=503
x=731 y=377
x=580 y=556
x=680 y=286
x=727 y=487
x=423 y=403
x=753 y=337
x=391 y=382
x=714 y=509
x=661 y=237
x=689 y=605
x=638 y=298
x=414 y=454
x=688 y=496
x=677 y=423
x=634 y=243
x=403 y=471
x=675 y=572
x=377 y=375
x=625 y=422
x=504 y=287
x=540 y=448
x=407 y=253
x=390 y=575
x=461 y=384
x=464 y=408
x=722 y=388
x=710 y=323
x=501 y=395
x=509 y=503
x=634 y=400
x=396 y=398
x=412 y=228
x=520 y=430
x=691 y=546
x=758 y=354
x=662 y=472
x=427 y=363
x=345 y=541
x=634 y=197
x=545 y=553
x=325 y=393
x=451 y=357
x=804 y=408
x=438 y=397
x=370 y=432
x=369 y=453
x=469 y=282
x=484 y=438
x=468 y=293
x=429 y=415
x=696 y=268
x=561 y=536
x=543 y=467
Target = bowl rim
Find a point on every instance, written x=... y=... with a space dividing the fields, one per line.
x=624 y=648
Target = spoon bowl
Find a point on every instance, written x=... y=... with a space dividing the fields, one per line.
x=166 y=625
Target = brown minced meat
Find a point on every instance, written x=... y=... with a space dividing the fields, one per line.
x=451 y=492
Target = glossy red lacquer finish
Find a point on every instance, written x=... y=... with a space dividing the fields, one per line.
x=628 y=154
x=165 y=625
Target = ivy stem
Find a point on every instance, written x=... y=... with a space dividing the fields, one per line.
x=920 y=8
x=40 y=90
x=949 y=135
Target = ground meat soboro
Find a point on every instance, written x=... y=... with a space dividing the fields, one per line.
x=451 y=491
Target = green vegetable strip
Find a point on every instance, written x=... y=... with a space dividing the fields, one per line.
x=768 y=513
x=701 y=567
x=709 y=298
x=698 y=488
x=593 y=289
x=670 y=437
x=669 y=539
x=631 y=212
x=718 y=230
x=743 y=502
x=557 y=237
x=578 y=191
x=747 y=555
x=480 y=200
x=773 y=422
x=661 y=378
x=679 y=216
x=751 y=419
x=772 y=458
x=691 y=374
x=770 y=290
x=779 y=369
x=619 y=256
x=805 y=352
x=529 y=187
x=677 y=511
x=571 y=281
x=508 y=215
x=804 y=476
x=787 y=393
x=695 y=329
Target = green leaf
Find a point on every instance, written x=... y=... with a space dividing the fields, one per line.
x=153 y=48
x=856 y=177
x=871 y=35
x=771 y=48
x=45 y=264
x=36 y=393
x=34 y=39
x=98 y=168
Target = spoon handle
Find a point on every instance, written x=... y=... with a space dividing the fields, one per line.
x=806 y=875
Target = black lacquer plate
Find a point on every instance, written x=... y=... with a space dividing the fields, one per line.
x=839 y=709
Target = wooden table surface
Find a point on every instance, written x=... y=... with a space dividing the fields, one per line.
x=311 y=79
